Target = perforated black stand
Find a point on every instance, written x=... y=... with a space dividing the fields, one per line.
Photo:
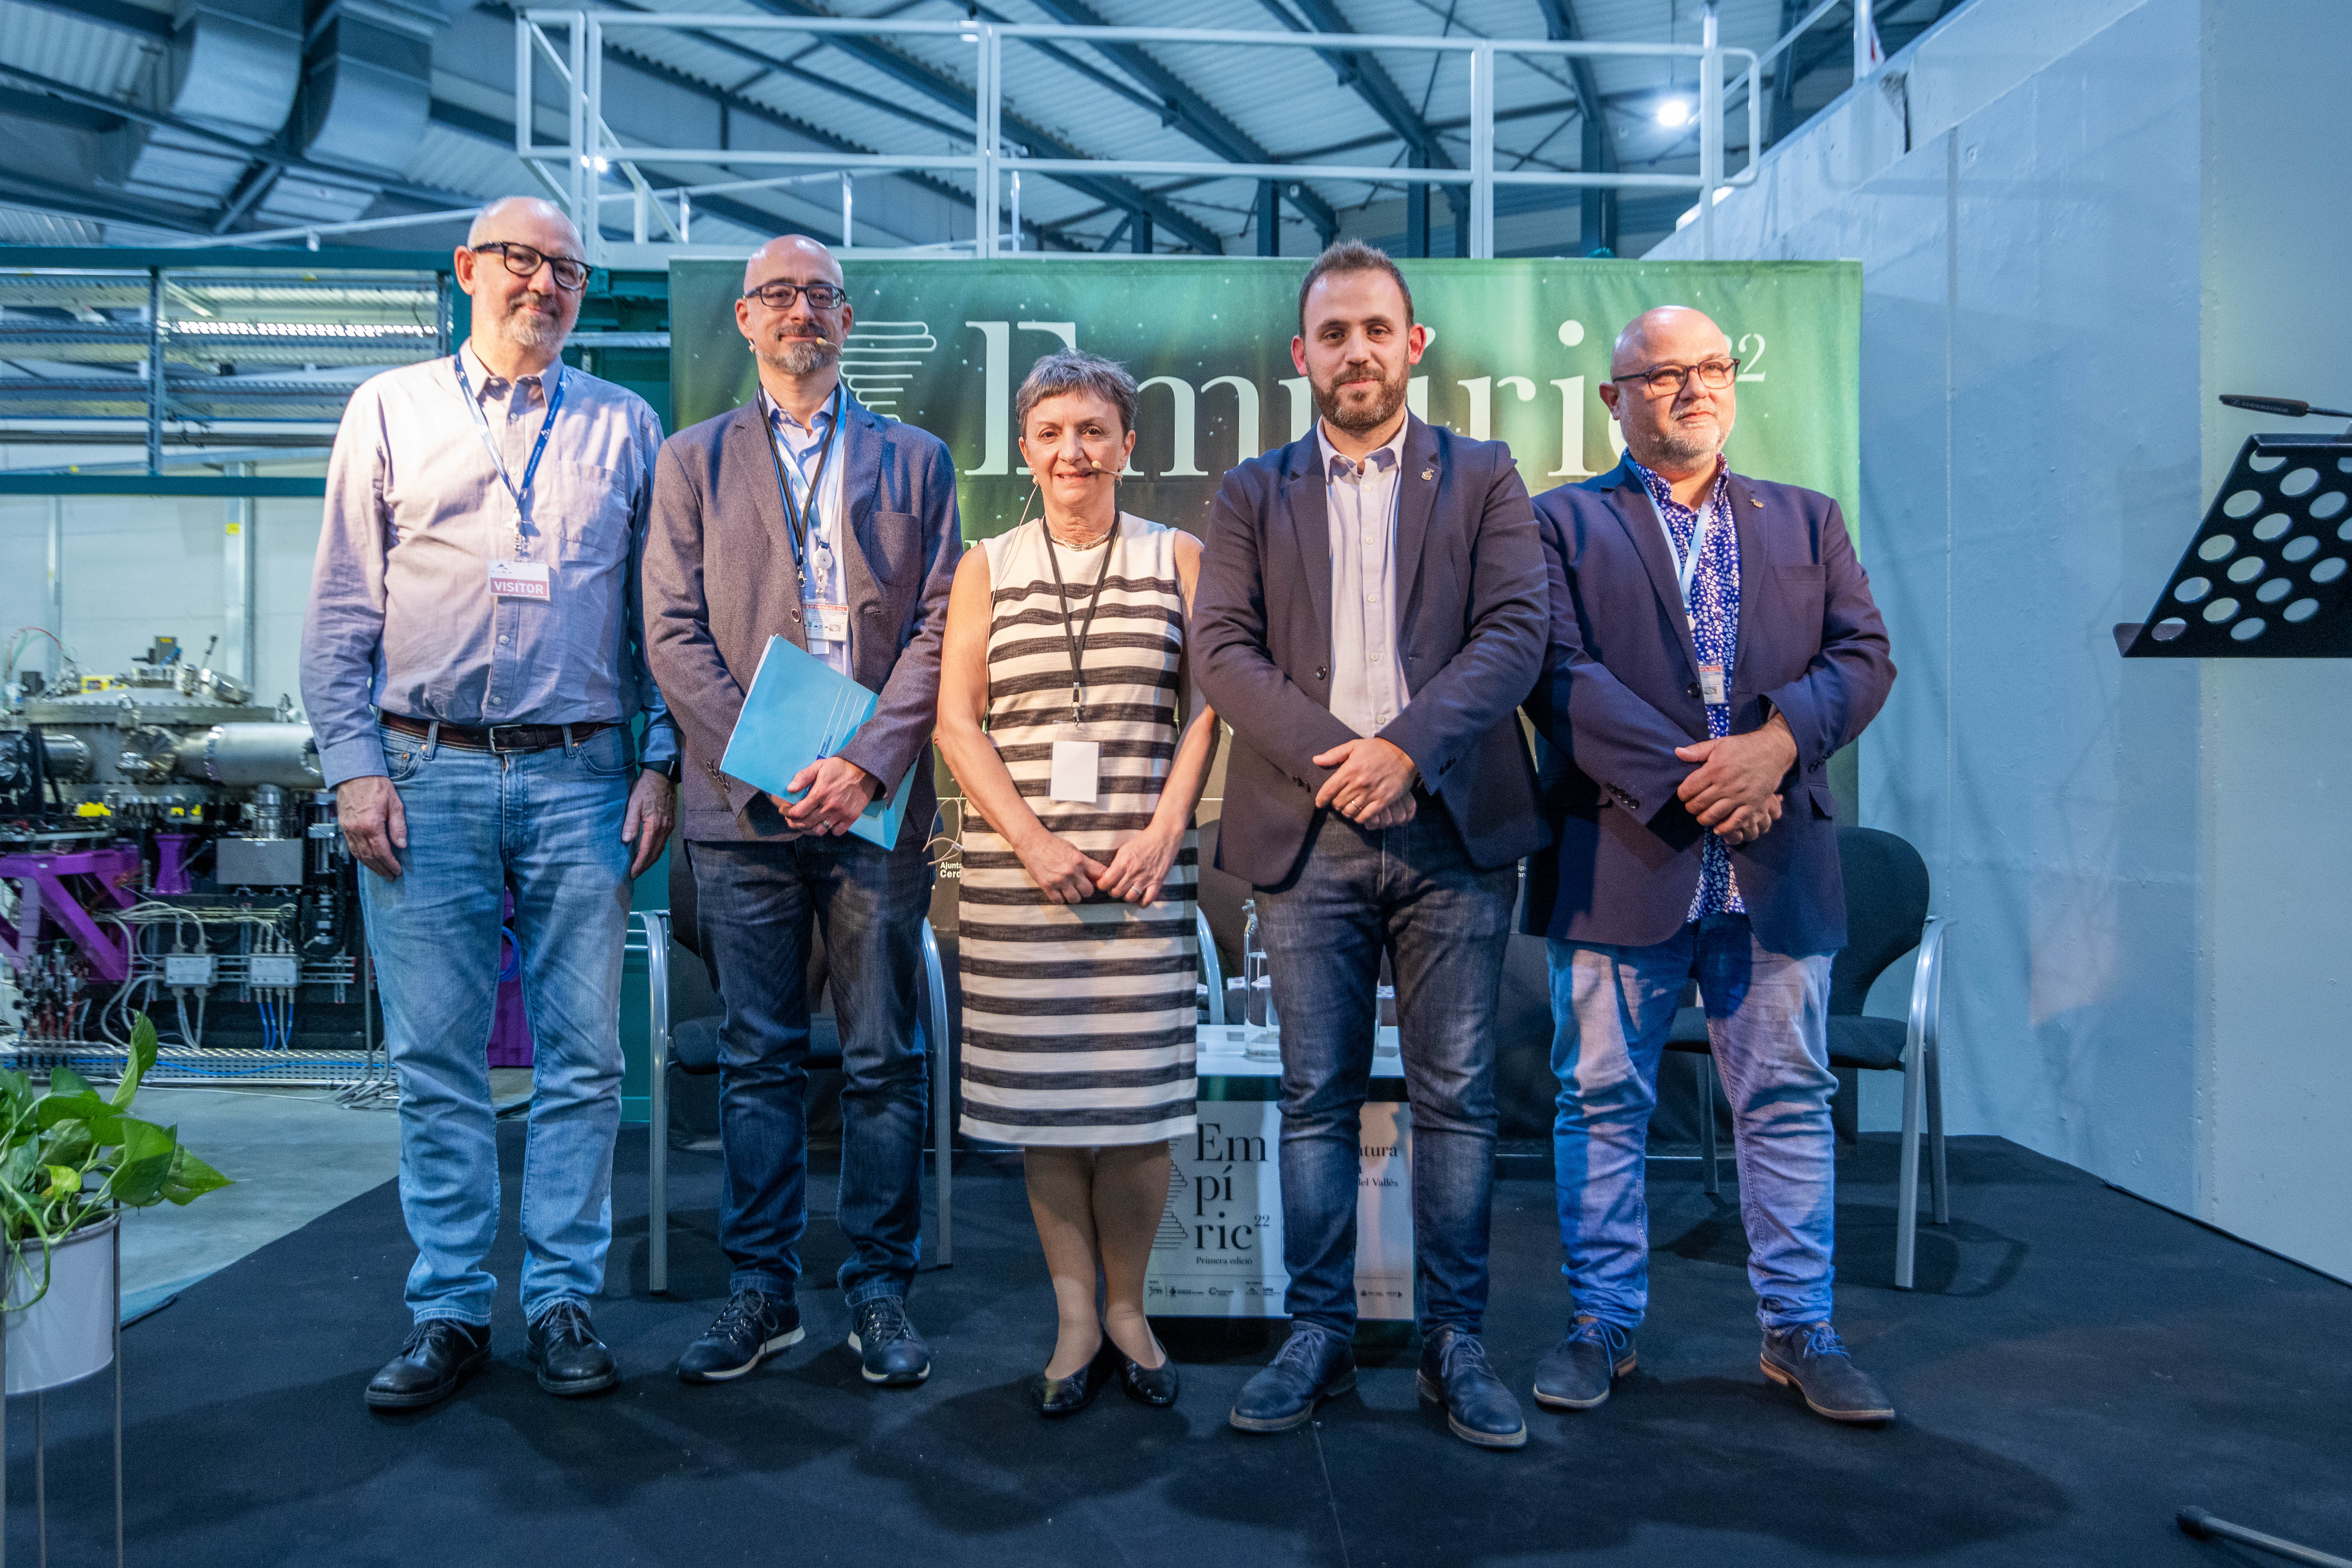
x=2270 y=573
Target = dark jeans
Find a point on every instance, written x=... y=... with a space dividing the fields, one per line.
x=1413 y=892
x=757 y=904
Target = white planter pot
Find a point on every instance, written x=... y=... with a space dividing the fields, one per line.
x=68 y=1333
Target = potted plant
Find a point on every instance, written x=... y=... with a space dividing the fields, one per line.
x=71 y=1161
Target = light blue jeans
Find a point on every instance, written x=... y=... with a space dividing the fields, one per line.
x=547 y=825
x=1767 y=1017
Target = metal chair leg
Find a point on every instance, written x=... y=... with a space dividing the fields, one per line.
x=942 y=1095
x=1906 y=1191
x=1712 y=1186
x=1937 y=1187
x=657 y=928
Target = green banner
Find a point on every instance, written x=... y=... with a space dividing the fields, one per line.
x=1517 y=350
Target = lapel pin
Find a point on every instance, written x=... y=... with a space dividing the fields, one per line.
x=1429 y=473
x=1753 y=502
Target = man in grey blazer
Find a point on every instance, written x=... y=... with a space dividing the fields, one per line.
x=804 y=514
x=1371 y=608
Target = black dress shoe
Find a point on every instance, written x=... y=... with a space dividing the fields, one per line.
x=1312 y=1365
x=1152 y=1385
x=890 y=1350
x=1578 y=1373
x=754 y=1326
x=571 y=1359
x=438 y=1354
x=1478 y=1408
x=1812 y=1359
x=1068 y=1395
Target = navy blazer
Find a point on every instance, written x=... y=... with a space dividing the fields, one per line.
x=1470 y=631
x=719 y=580
x=1620 y=691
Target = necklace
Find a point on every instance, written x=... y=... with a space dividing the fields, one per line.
x=1079 y=543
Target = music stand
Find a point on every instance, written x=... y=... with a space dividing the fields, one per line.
x=2267 y=576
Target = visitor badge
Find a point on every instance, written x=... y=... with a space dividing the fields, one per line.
x=1076 y=768
x=519 y=579
x=1710 y=685
x=826 y=623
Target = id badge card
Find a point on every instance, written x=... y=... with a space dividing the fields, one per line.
x=520 y=580
x=1711 y=688
x=1078 y=772
x=826 y=623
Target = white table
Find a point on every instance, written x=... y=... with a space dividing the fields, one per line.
x=1219 y=1250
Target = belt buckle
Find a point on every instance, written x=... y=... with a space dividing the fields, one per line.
x=502 y=751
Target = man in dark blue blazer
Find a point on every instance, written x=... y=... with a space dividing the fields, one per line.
x=1713 y=642
x=1370 y=613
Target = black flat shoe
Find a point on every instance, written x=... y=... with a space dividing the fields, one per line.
x=1152 y=1385
x=438 y=1354
x=1068 y=1395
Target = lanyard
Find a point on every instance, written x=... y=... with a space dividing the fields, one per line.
x=1076 y=636
x=799 y=522
x=482 y=428
x=1685 y=566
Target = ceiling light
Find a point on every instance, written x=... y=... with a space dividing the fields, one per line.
x=1674 y=113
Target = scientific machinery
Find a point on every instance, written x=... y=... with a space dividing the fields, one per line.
x=166 y=847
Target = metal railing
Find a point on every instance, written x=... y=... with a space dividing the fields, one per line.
x=591 y=149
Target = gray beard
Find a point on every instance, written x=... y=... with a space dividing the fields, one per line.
x=1683 y=449
x=534 y=332
x=801 y=356
x=1382 y=410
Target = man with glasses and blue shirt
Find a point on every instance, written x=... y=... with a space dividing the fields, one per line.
x=802 y=513
x=473 y=663
x=1713 y=642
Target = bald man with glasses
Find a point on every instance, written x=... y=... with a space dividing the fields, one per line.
x=474 y=666
x=1713 y=642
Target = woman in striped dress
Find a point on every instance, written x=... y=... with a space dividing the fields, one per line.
x=1060 y=690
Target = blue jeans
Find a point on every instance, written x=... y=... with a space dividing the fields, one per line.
x=546 y=824
x=1409 y=891
x=1767 y=1018
x=758 y=902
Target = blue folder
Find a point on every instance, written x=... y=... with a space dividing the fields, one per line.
x=800 y=708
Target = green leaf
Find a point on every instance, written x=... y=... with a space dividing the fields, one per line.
x=65 y=1182
x=65 y=1080
x=142 y=1057
x=67 y=1144
x=84 y=1106
x=145 y=1164
x=190 y=1179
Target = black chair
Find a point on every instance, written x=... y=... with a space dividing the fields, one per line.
x=690 y=1046
x=1886 y=917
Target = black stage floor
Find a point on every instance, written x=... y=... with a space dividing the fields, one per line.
x=2075 y=1366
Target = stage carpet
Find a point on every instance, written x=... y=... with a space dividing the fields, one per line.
x=2075 y=1366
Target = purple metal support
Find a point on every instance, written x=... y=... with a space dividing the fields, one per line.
x=172 y=862
x=43 y=894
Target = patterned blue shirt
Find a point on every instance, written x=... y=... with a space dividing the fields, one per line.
x=1714 y=630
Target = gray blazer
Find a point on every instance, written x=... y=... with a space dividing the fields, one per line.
x=1470 y=627
x=718 y=582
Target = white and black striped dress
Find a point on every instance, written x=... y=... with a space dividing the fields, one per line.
x=1078 y=1019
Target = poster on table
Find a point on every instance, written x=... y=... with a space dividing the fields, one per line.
x=1519 y=351
x=1219 y=1250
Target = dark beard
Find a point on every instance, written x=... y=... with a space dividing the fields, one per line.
x=1380 y=412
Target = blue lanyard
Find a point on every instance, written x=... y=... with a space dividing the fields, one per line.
x=801 y=523
x=1685 y=566
x=482 y=428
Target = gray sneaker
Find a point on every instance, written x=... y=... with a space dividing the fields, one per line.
x=1812 y=1359
x=1576 y=1374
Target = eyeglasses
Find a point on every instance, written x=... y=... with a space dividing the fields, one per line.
x=525 y=262
x=1668 y=380
x=779 y=296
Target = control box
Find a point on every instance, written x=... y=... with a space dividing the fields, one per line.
x=258 y=862
x=280 y=971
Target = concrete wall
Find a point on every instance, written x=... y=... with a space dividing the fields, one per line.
x=2078 y=220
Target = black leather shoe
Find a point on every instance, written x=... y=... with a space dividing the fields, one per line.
x=1152 y=1385
x=1068 y=1395
x=571 y=1359
x=1312 y=1366
x=754 y=1327
x=1810 y=1359
x=1576 y=1374
x=438 y=1354
x=1478 y=1408
x=890 y=1350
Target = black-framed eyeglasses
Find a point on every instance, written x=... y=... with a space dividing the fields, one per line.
x=524 y=261
x=1668 y=380
x=780 y=295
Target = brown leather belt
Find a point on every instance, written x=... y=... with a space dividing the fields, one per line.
x=500 y=737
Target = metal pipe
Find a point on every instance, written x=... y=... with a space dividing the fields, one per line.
x=244 y=756
x=55 y=612
x=1482 y=152
x=848 y=227
x=236 y=581
x=2197 y=1522
x=1710 y=130
x=154 y=370
x=1866 y=34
